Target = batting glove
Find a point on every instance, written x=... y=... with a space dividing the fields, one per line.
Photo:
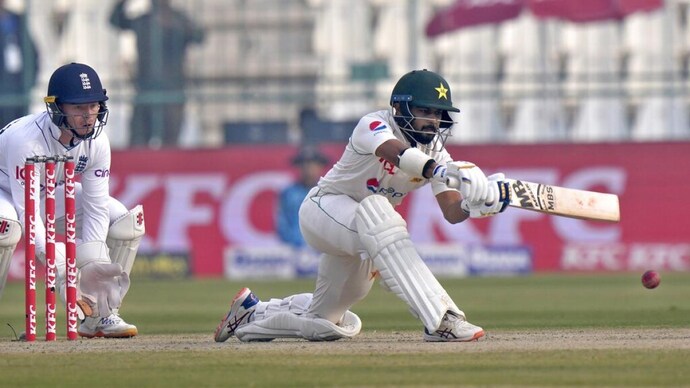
x=469 y=179
x=497 y=200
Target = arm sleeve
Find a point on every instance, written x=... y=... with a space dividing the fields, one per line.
x=95 y=182
x=370 y=133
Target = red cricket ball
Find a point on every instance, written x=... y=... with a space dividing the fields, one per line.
x=651 y=279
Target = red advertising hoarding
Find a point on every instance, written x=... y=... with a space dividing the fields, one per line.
x=201 y=202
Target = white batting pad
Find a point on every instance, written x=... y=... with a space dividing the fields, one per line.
x=287 y=318
x=286 y=325
x=10 y=233
x=124 y=237
x=383 y=233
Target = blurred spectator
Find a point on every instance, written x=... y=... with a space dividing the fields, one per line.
x=311 y=164
x=19 y=66
x=163 y=35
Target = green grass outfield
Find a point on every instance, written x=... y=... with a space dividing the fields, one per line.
x=180 y=316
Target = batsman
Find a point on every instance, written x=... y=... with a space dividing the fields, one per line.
x=108 y=234
x=350 y=217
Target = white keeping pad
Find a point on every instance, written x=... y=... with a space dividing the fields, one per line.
x=124 y=237
x=10 y=233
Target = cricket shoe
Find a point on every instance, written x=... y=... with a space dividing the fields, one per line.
x=111 y=326
x=241 y=310
x=454 y=328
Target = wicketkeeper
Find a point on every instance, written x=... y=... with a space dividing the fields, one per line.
x=108 y=234
x=350 y=217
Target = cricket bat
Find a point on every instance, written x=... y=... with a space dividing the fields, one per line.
x=562 y=201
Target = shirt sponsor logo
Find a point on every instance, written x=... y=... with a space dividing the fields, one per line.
x=376 y=126
x=102 y=173
x=373 y=186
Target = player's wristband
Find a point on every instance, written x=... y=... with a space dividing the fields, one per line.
x=414 y=162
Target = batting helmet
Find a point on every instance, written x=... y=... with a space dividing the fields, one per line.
x=76 y=83
x=424 y=89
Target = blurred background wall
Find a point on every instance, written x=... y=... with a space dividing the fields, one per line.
x=588 y=94
x=295 y=71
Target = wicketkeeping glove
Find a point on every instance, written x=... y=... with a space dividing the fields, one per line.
x=497 y=200
x=103 y=285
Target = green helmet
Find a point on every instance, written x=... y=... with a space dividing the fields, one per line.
x=423 y=89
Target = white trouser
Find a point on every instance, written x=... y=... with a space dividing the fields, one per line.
x=339 y=226
x=346 y=273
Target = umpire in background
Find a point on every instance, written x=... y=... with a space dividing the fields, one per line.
x=311 y=164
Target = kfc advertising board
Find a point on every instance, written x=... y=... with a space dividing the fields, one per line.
x=200 y=203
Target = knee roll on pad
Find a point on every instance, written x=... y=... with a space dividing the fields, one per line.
x=124 y=237
x=384 y=235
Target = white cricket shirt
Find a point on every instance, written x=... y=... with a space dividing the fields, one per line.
x=360 y=173
x=36 y=135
